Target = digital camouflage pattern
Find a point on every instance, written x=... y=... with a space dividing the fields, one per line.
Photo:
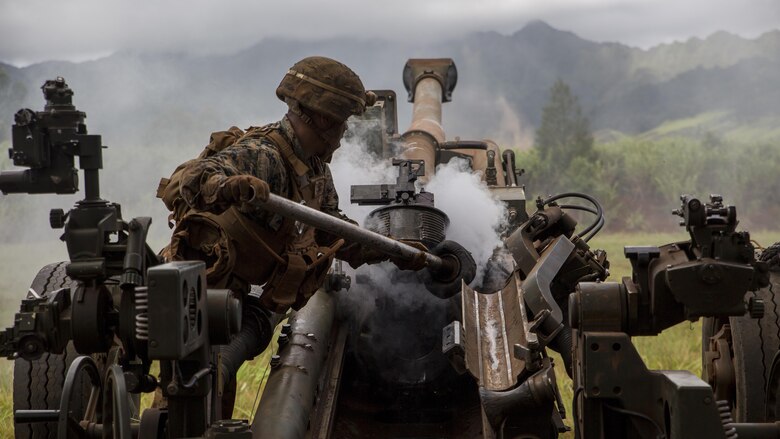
x=243 y=245
x=257 y=156
x=325 y=86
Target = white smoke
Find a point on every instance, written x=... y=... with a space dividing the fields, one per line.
x=396 y=317
x=475 y=215
x=352 y=164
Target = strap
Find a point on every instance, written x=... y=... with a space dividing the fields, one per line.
x=272 y=132
x=326 y=253
x=325 y=86
x=285 y=148
x=281 y=290
x=248 y=228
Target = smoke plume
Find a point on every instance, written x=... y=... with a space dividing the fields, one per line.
x=475 y=216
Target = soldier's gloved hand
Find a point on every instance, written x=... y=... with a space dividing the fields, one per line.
x=368 y=255
x=417 y=263
x=244 y=189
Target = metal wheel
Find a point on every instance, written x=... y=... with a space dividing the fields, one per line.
x=69 y=423
x=116 y=405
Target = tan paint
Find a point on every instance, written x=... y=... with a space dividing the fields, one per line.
x=426 y=117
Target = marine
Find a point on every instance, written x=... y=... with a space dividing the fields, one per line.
x=216 y=204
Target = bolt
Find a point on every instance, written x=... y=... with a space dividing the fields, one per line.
x=276 y=361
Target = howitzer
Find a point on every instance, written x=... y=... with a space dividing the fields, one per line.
x=502 y=336
x=118 y=306
x=467 y=361
x=451 y=265
x=616 y=396
x=94 y=324
x=391 y=371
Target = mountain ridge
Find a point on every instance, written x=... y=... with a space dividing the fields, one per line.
x=503 y=82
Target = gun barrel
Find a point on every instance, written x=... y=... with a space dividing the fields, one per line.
x=426 y=111
x=349 y=231
x=430 y=83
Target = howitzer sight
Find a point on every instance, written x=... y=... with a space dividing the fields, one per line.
x=47 y=141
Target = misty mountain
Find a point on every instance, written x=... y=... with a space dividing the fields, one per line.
x=155 y=111
x=176 y=99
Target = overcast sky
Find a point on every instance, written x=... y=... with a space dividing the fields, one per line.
x=77 y=30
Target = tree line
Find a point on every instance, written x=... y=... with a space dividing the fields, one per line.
x=640 y=180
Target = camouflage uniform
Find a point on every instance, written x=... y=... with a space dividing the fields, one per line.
x=258 y=157
x=243 y=245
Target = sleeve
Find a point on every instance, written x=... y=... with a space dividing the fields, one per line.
x=202 y=179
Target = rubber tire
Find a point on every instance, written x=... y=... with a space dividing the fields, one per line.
x=468 y=269
x=769 y=255
x=38 y=384
x=755 y=343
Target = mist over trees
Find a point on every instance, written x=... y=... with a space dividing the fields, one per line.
x=632 y=177
x=563 y=139
x=564 y=132
x=155 y=111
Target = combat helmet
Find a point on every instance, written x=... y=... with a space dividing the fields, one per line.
x=325 y=86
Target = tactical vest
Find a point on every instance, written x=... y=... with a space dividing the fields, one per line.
x=238 y=251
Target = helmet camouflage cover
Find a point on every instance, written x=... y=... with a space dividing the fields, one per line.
x=326 y=86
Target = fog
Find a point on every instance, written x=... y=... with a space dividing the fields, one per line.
x=156 y=110
x=38 y=30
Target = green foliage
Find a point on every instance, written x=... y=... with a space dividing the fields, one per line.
x=676 y=348
x=639 y=180
x=564 y=132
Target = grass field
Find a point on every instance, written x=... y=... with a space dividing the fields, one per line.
x=676 y=348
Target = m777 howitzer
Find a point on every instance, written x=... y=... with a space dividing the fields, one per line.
x=120 y=308
x=117 y=306
x=456 y=363
x=113 y=303
x=711 y=275
x=461 y=362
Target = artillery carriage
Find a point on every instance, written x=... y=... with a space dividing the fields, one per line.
x=474 y=359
